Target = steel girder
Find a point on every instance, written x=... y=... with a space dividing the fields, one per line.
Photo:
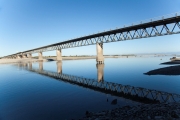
x=160 y=27
x=141 y=32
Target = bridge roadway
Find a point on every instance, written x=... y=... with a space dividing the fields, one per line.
x=137 y=94
x=166 y=25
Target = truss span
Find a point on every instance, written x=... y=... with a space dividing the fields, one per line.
x=154 y=29
x=166 y=25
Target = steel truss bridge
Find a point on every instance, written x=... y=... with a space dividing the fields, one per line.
x=166 y=25
x=137 y=94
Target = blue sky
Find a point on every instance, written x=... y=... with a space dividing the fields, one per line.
x=28 y=24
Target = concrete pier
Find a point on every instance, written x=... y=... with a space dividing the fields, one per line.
x=100 y=57
x=19 y=56
x=29 y=55
x=100 y=72
x=40 y=56
x=59 y=67
x=59 y=55
x=24 y=55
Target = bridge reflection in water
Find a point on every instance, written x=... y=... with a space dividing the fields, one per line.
x=137 y=94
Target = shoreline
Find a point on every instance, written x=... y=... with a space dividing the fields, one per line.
x=161 y=111
x=45 y=59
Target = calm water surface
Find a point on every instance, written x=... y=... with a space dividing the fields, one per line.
x=27 y=95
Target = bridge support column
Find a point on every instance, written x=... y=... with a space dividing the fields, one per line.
x=59 y=67
x=24 y=55
x=29 y=55
x=59 y=55
x=19 y=56
x=40 y=66
x=100 y=72
x=100 y=57
x=40 y=56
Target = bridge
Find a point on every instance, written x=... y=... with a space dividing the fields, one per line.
x=165 y=25
x=137 y=94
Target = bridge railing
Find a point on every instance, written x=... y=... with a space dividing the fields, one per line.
x=118 y=34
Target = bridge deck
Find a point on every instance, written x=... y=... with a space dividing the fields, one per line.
x=152 y=28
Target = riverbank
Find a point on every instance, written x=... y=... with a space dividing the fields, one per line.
x=35 y=59
x=172 y=62
x=161 y=111
x=171 y=70
x=6 y=61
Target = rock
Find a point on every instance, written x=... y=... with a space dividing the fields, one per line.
x=97 y=119
x=87 y=112
x=144 y=111
x=149 y=117
x=114 y=102
x=158 y=117
x=174 y=115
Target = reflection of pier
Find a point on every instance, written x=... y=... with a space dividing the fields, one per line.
x=40 y=66
x=100 y=72
x=59 y=67
x=129 y=92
